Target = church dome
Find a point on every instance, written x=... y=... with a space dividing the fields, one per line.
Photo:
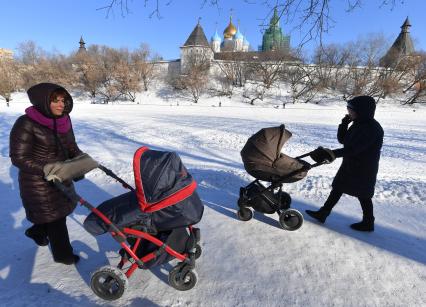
x=230 y=30
x=238 y=35
x=216 y=37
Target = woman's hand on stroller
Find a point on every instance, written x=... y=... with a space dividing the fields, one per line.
x=50 y=171
x=322 y=155
x=65 y=171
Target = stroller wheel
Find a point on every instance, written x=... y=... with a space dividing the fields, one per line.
x=244 y=214
x=291 y=219
x=198 y=251
x=182 y=279
x=109 y=283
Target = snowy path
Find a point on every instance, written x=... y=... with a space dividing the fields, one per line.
x=243 y=264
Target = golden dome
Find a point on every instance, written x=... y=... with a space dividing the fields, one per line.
x=230 y=30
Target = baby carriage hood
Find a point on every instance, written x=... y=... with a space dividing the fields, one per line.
x=165 y=196
x=161 y=179
x=263 y=159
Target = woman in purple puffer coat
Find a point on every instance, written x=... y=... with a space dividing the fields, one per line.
x=38 y=139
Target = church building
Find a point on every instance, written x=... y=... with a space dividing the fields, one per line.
x=235 y=46
x=273 y=38
x=233 y=40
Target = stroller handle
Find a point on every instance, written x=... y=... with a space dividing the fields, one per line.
x=308 y=165
x=303 y=156
x=113 y=175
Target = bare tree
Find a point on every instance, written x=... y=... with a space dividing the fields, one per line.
x=313 y=17
x=330 y=61
x=142 y=64
x=263 y=75
x=234 y=70
x=98 y=71
x=303 y=84
x=29 y=53
x=128 y=81
x=9 y=78
x=352 y=69
x=268 y=73
x=254 y=91
x=89 y=70
x=111 y=73
x=391 y=80
x=416 y=88
x=109 y=60
x=225 y=85
x=40 y=66
x=195 y=78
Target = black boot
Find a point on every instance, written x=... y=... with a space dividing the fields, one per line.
x=367 y=223
x=364 y=225
x=320 y=215
x=37 y=234
x=324 y=211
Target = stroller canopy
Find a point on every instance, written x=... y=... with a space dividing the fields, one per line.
x=161 y=179
x=165 y=197
x=263 y=159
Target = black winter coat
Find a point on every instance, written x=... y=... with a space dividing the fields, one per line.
x=32 y=146
x=362 y=143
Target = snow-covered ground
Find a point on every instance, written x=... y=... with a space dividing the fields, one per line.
x=253 y=263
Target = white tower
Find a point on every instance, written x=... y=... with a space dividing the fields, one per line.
x=239 y=41
x=215 y=42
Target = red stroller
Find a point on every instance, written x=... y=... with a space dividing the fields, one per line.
x=153 y=223
x=263 y=159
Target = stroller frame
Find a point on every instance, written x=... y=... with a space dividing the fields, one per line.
x=289 y=219
x=109 y=282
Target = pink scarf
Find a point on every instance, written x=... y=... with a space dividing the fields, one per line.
x=63 y=124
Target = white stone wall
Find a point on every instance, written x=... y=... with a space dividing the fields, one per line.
x=186 y=53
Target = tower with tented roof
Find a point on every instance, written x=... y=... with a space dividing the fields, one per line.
x=82 y=44
x=403 y=47
x=196 y=44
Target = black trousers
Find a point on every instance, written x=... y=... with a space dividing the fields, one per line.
x=57 y=233
x=366 y=205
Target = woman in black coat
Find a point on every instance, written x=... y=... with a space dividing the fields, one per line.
x=362 y=142
x=39 y=139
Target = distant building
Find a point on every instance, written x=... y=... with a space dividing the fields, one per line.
x=402 y=47
x=196 y=43
x=82 y=44
x=233 y=40
x=232 y=48
x=6 y=54
x=273 y=38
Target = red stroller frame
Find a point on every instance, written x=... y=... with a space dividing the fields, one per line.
x=110 y=282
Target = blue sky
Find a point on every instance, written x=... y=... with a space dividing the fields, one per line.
x=57 y=25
